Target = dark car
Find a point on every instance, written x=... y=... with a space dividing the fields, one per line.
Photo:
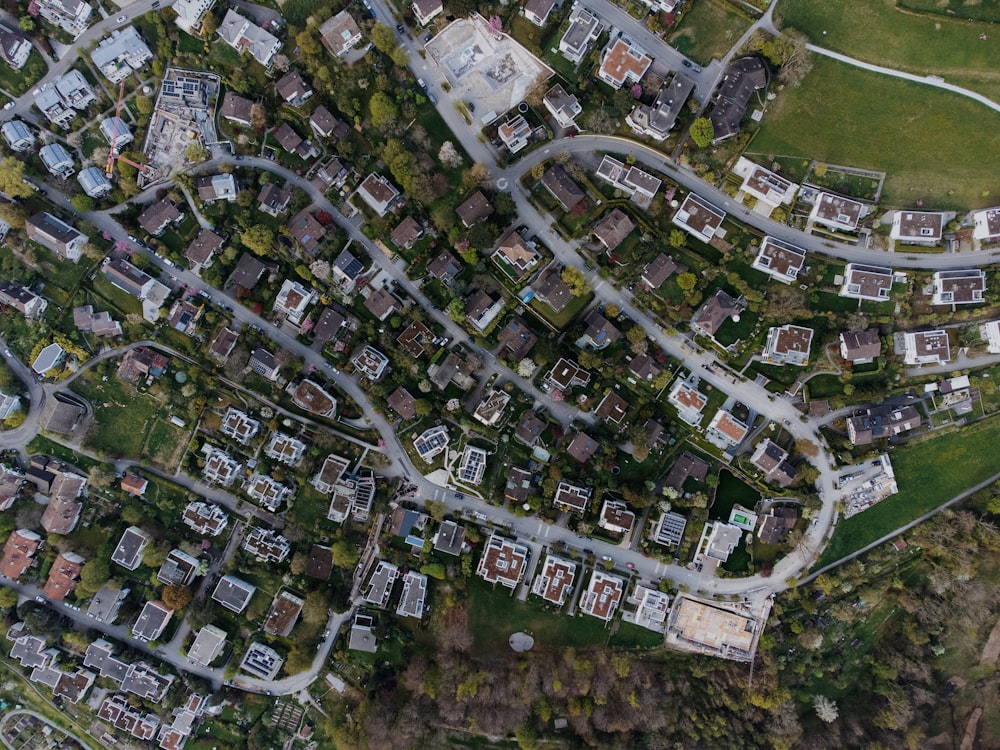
x=400 y=28
x=686 y=63
x=428 y=38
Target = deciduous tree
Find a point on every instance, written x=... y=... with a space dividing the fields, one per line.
x=702 y=132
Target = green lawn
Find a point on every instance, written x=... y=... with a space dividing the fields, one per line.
x=631 y=636
x=917 y=43
x=561 y=319
x=733 y=331
x=929 y=474
x=982 y=10
x=708 y=31
x=18 y=82
x=731 y=491
x=844 y=115
x=122 y=417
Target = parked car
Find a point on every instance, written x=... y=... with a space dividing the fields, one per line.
x=432 y=99
x=400 y=28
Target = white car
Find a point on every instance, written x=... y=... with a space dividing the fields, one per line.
x=121 y=19
x=9 y=105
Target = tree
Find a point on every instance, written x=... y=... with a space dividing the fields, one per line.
x=475 y=176
x=195 y=153
x=449 y=156
x=308 y=43
x=702 y=132
x=383 y=38
x=344 y=554
x=456 y=310
x=8 y=598
x=676 y=238
x=209 y=25
x=258 y=238
x=177 y=596
x=612 y=311
x=687 y=281
x=383 y=109
x=12 y=178
x=423 y=407
x=575 y=280
x=436 y=509
x=635 y=334
x=315 y=608
x=154 y=554
x=14 y=214
x=100 y=475
x=26 y=24
x=83 y=203
x=144 y=105
x=826 y=708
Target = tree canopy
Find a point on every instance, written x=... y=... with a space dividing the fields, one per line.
x=702 y=132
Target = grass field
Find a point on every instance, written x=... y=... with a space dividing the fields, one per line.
x=843 y=115
x=708 y=31
x=731 y=491
x=981 y=10
x=914 y=42
x=122 y=417
x=929 y=474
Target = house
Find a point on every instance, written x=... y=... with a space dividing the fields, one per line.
x=640 y=186
x=481 y=309
x=128 y=553
x=990 y=333
x=860 y=347
x=555 y=581
x=8 y=405
x=205 y=518
x=883 y=421
x=780 y=260
x=261 y=661
x=18 y=135
x=425 y=10
x=584 y=28
x=370 y=362
x=285 y=449
x=582 y=447
x=518 y=486
x=233 y=593
x=416 y=339
x=268 y=493
x=516 y=340
x=223 y=344
x=325 y=125
x=741 y=80
x=293 y=89
x=658 y=119
x=788 y=345
x=538 y=11
x=616 y=517
x=727 y=429
x=292 y=142
x=152 y=621
x=866 y=282
x=450 y=538
x=11 y=481
x=217 y=187
x=347 y=270
x=411 y=603
x=116 y=711
x=56 y=235
x=651 y=609
x=328 y=326
x=362 y=636
x=472 y=466
x=772 y=459
x=379 y=586
x=401 y=402
x=529 y=428
x=601 y=332
x=48 y=359
x=959 y=287
x=17 y=296
x=767 y=188
x=266 y=545
x=320 y=563
x=716 y=310
x=18 y=553
x=220 y=467
x=836 y=212
x=94 y=182
x=917 y=227
x=312 y=398
x=452 y=370
x=986 y=226
x=492 y=406
x=178 y=569
x=244 y=36
x=602 y=596
x=406 y=233
x=562 y=187
x=292 y=301
x=658 y=270
x=688 y=401
x=183 y=316
x=14 y=48
x=718 y=541
x=382 y=304
x=332 y=173
x=306 y=231
x=624 y=62
x=669 y=531
x=926 y=348
x=563 y=107
x=236 y=108
x=134 y=484
x=444 y=267
x=571 y=498
x=474 y=209
x=774 y=526
x=284 y=612
x=698 y=218
x=551 y=289
x=105 y=604
x=158 y=216
x=249 y=270
x=238 y=425
x=120 y=54
x=503 y=561
x=141 y=285
x=203 y=248
x=516 y=131
x=69 y=15
x=264 y=364
x=380 y=194
x=57 y=159
x=273 y=200
x=566 y=374
x=340 y=33
x=612 y=230
x=116 y=132
x=208 y=644
x=66 y=95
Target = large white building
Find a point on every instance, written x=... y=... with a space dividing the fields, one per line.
x=68 y=15
x=120 y=54
x=242 y=35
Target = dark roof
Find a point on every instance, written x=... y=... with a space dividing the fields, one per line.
x=529 y=428
x=516 y=339
x=325 y=123
x=558 y=182
x=248 y=272
x=444 y=265
x=861 y=344
x=660 y=269
x=403 y=403
x=614 y=228
x=206 y=244
x=158 y=215
x=236 y=107
x=717 y=309
x=686 y=465
x=320 y=562
x=552 y=289
x=742 y=79
x=407 y=232
x=329 y=323
x=582 y=447
x=475 y=208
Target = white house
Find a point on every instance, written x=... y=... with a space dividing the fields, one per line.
x=118 y=55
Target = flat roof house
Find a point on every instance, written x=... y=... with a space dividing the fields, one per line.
x=602 y=596
x=866 y=282
x=566 y=374
x=515 y=132
x=670 y=529
x=616 y=517
x=836 y=212
x=152 y=621
x=472 y=467
x=370 y=362
x=292 y=301
x=217 y=187
x=688 y=401
x=571 y=498
x=425 y=10
x=788 y=345
x=379 y=586
x=205 y=518
x=450 y=538
x=411 y=602
x=380 y=194
x=262 y=661
x=624 y=62
x=233 y=593
x=764 y=185
x=917 y=227
x=728 y=428
x=208 y=644
x=503 y=561
x=128 y=553
x=68 y=15
x=779 y=260
x=563 y=107
x=926 y=348
x=239 y=425
x=431 y=442
x=284 y=613
x=986 y=226
x=584 y=28
x=958 y=287
x=698 y=218
x=555 y=581
x=285 y=448
x=629 y=179
x=859 y=347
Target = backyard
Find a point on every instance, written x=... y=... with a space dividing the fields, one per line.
x=844 y=115
x=707 y=31
x=929 y=473
x=956 y=49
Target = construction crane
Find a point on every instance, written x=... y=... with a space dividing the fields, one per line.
x=109 y=169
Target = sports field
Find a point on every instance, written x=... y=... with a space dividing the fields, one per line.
x=932 y=144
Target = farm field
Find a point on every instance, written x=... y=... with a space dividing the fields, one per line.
x=844 y=115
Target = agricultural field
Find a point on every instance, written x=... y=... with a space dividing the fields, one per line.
x=844 y=115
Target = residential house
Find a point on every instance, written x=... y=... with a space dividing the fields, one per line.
x=481 y=309
x=658 y=270
x=362 y=636
x=128 y=553
x=444 y=267
x=990 y=333
x=62 y=99
x=772 y=459
x=220 y=467
x=69 y=15
x=293 y=143
x=836 y=212
x=285 y=449
x=515 y=132
x=340 y=33
x=774 y=526
x=94 y=182
x=217 y=187
x=9 y=404
x=450 y=538
x=178 y=569
x=293 y=89
x=656 y=120
x=105 y=604
x=612 y=230
x=116 y=132
x=134 y=484
x=233 y=593
x=669 y=530
x=698 y=218
x=403 y=403
x=56 y=235
x=292 y=301
x=306 y=231
x=518 y=487
x=261 y=661
x=141 y=285
x=244 y=36
x=266 y=544
x=411 y=602
x=602 y=596
x=529 y=428
x=883 y=421
x=562 y=187
x=183 y=316
x=640 y=186
x=325 y=125
x=273 y=200
x=688 y=401
x=926 y=348
x=986 y=226
x=152 y=621
x=249 y=270
x=516 y=340
x=236 y=108
x=866 y=282
x=381 y=303
x=566 y=374
x=18 y=553
x=120 y=54
x=201 y=252
x=472 y=466
x=380 y=194
x=474 y=209
x=652 y=606
x=555 y=581
x=406 y=233
x=205 y=518
x=538 y=11
x=370 y=362
x=788 y=345
x=958 y=287
x=616 y=517
x=158 y=216
x=503 y=561
x=284 y=613
x=347 y=270
x=860 y=347
x=57 y=159
x=208 y=644
x=770 y=190
x=718 y=541
x=18 y=135
x=600 y=333
x=267 y=492
x=223 y=344
x=17 y=296
x=379 y=586
x=563 y=107
x=491 y=408
x=571 y=498
x=320 y=564
x=551 y=289
x=917 y=227
x=582 y=447
x=416 y=339
x=238 y=425
x=780 y=260
x=742 y=79
x=452 y=370
x=328 y=326
x=14 y=48
x=425 y=10
x=727 y=429
x=624 y=62
x=309 y=396
x=48 y=359
x=11 y=481
x=716 y=310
